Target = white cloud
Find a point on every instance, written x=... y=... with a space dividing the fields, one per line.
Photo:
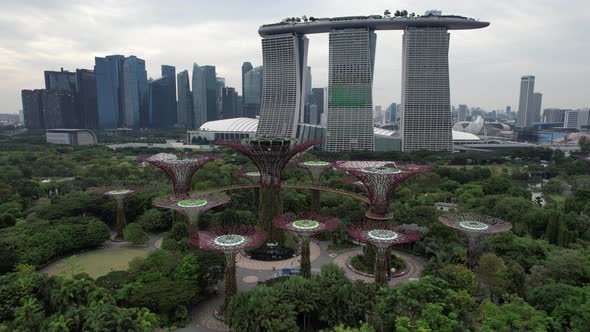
x=545 y=38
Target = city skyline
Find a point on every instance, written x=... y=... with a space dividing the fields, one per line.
x=502 y=53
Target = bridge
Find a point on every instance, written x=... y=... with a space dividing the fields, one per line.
x=288 y=186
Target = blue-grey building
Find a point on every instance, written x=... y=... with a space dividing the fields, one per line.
x=109 y=91
x=135 y=92
x=33 y=109
x=59 y=109
x=169 y=74
x=204 y=94
x=184 y=107
x=86 y=101
x=252 y=92
x=60 y=80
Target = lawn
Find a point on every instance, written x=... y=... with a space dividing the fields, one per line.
x=99 y=262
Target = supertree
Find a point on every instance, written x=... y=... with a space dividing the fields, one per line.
x=179 y=170
x=316 y=168
x=381 y=178
x=383 y=235
x=254 y=177
x=119 y=194
x=305 y=225
x=191 y=205
x=474 y=226
x=229 y=239
x=270 y=155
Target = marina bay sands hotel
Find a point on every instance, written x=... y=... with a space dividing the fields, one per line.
x=426 y=106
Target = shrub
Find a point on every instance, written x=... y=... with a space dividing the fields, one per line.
x=135 y=234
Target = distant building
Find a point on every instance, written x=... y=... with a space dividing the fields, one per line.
x=553 y=115
x=86 y=98
x=169 y=76
x=135 y=91
x=204 y=94
x=229 y=103
x=184 y=107
x=33 y=109
x=463 y=113
x=252 y=92
x=59 y=109
x=426 y=105
x=392 y=112
x=579 y=119
x=246 y=67
x=71 y=136
x=318 y=106
x=60 y=80
x=109 y=91
x=220 y=85
x=158 y=91
x=529 y=105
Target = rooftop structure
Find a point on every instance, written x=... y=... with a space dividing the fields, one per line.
x=474 y=226
x=71 y=136
x=229 y=240
x=119 y=194
x=381 y=178
x=305 y=225
x=191 y=206
x=270 y=156
x=372 y=22
x=178 y=169
x=384 y=235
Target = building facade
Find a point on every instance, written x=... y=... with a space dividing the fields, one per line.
x=60 y=80
x=229 y=103
x=462 y=113
x=350 y=84
x=579 y=119
x=109 y=91
x=283 y=98
x=169 y=76
x=33 y=109
x=426 y=104
x=135 y=92
x=184 y=107
x=252 y=92
x=526 y=101
x=86 y=98
x=246 y=67
x=59 y=109
x=554 y=115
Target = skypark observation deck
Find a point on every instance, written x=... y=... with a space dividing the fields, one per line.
x=372 y=22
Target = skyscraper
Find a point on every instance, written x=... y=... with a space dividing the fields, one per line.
x=159 y=103
x=229 y=103
x=60 y=80
x=252 y=92
x=318 y=107
x=184 y=108
x=554 y=115
x=246 y=67
x=283 y=98
x=59 y=109
x=109 y=91
x=350 y=83
x=33 y=109
x=537 y=103
x=204 y=94
x=169 y=76
x=135 y=91
x=462 y=116
x=86 y=99
x=525 y=117
x=220 y=85
x=426 y=105
x=579 y=119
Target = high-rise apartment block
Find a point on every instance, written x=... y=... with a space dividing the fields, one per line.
x=426 y=102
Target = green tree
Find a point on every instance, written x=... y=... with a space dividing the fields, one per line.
x=135 y=234
x=584 y=143
x=516 y=315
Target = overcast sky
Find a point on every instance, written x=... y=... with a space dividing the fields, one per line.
x=546 y=38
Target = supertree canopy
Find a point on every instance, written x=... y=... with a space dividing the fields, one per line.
x=316 y=168
x=384 y=235
x=229 y=239
x=179 y=170
x=381 y=178
x=270 y=155
x=191 y=205
x=305 y=225
x=119 y=194
x=474 y=226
